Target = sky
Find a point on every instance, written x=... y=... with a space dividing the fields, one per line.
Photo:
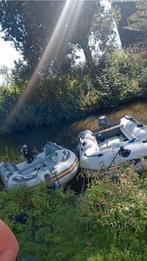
x=7 y=54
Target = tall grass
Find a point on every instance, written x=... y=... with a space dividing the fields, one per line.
x=106 y=222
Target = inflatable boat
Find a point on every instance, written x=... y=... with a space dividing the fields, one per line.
x=125 y=141
x=55 y=165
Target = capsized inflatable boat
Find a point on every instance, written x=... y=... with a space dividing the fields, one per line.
x=55 y=165
x=126 y=141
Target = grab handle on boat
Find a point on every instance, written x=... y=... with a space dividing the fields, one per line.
x=144 y=141
x=131 y=141
x=97 y=155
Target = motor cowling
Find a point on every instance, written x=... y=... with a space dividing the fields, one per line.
x=103 y=122
x=27 y=153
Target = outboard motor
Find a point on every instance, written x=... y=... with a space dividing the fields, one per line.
x=27 y=153
x=103 y=122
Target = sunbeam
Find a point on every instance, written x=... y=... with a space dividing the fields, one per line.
x=53 y=47
x=71 y=22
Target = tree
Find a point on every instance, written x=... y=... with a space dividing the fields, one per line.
x=138 y=21
x=95 y=22
x=6 y=74
x=29 y=24
x=133 y=23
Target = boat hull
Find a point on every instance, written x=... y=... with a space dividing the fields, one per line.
x=57 y=167
x=125 y=142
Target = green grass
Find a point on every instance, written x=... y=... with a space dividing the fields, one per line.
x=107 y=222
x=10 y=155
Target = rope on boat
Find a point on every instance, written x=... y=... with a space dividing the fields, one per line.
x=113 y=159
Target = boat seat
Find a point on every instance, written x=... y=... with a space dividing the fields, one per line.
x=91 y=144
x=127 y=133
x=140 y=133
x=50 y=148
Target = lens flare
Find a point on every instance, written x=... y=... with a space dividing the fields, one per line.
x=69 y=15
x=66 y=24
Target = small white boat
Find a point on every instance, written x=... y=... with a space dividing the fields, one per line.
x=126 y=141
x=55 y=164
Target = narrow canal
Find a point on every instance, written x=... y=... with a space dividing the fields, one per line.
x=63 y=134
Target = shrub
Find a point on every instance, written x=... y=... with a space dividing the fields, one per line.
x=71 y=96
x=119 y=79
x=143 y=80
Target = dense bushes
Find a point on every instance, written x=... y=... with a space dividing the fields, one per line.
x=107 y=222
x=71 y=96
x=143 y=78
x=120 y=78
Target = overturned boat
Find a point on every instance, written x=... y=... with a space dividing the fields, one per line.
x=115 y=144
x=55 y=165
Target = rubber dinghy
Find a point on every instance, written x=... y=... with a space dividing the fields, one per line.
x=126 y=141
x=55 y=165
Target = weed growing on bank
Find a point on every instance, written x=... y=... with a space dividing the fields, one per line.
x=106 y=222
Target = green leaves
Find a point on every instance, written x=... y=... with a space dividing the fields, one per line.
x=119 y=79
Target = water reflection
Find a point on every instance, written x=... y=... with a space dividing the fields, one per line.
x=64 y=134
x=137 y=110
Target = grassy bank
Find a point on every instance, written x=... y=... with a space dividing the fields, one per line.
x=107 y=222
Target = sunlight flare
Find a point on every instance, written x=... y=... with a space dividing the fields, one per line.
x=52 y=49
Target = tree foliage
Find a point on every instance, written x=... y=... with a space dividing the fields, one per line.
x=31 y=24
x=133 y=23
x=72 y=96
x=61 y=92
x=138 y=20
x=119 y=79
